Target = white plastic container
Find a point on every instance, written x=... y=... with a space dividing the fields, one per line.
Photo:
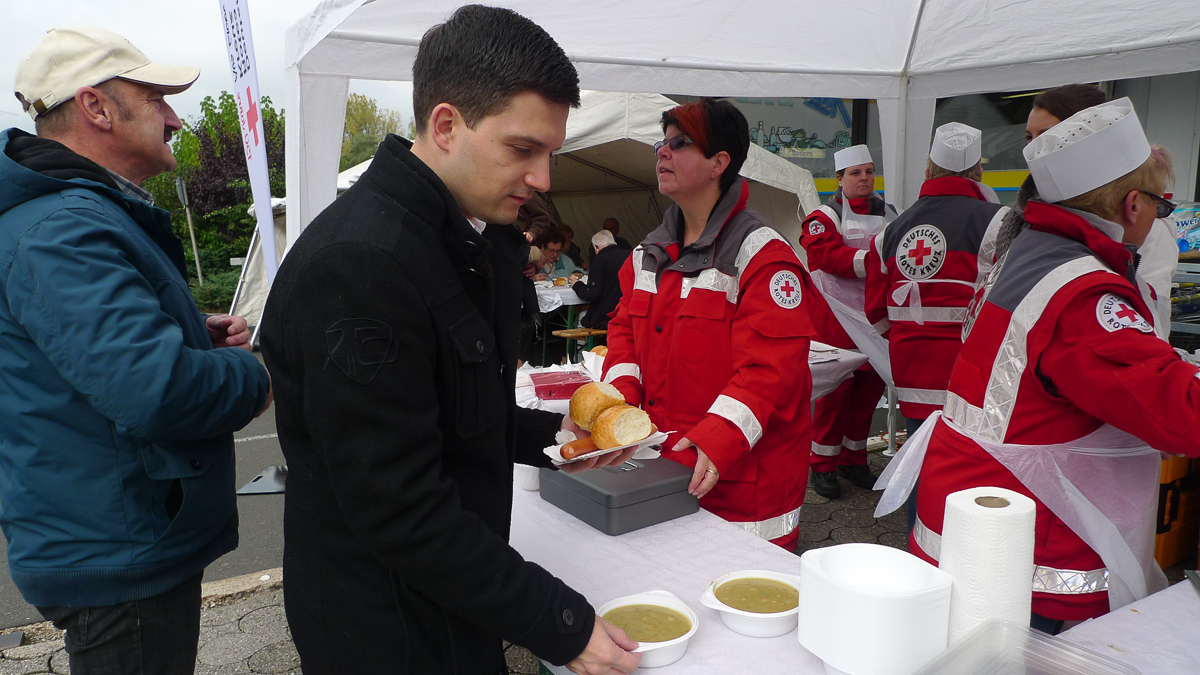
x=1003 y=648
x=526 y=477
x=753 y=624
x=658 y=654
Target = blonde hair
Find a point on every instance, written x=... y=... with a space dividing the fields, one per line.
x=1152 y=176
x=974 y=173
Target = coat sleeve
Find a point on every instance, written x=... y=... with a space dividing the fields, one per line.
x=1126 y=377
x=593 y=289
x=382 y=446
x=770 y=363
x=826 y=251
x=621 y=368
x=877 y=286
x=97 y=317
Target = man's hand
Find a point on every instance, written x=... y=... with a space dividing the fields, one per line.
x=705 y=476
x=228 y=331
x=611 y=459
x=530 y=270
x=576 y=276
x=607 y=652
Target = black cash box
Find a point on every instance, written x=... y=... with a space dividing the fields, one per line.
x=623 y=498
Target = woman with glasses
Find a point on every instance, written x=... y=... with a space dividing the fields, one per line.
x=711 y=335
x=1062 y=391
x=1160 y=256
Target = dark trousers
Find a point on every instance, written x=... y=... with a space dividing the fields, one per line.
x=154 y=636
x=911 y=424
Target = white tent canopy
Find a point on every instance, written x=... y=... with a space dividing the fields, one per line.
x=904 y=53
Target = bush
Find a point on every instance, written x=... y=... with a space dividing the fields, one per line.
x=216 y=295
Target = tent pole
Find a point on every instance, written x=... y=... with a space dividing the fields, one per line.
x=237 y=292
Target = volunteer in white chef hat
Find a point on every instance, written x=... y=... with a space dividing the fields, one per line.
x=922 y=271
x=1062 y=391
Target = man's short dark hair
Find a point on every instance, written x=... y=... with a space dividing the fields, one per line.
x=482 y=57
x=714 y=125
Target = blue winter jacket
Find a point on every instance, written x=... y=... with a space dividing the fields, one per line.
x=116 y=413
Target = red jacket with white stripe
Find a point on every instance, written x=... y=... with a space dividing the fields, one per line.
x=712 y=341
x=1060 y=345
x=941 y=248
x=821 y=237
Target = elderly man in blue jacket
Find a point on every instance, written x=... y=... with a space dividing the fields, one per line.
x=117 y=403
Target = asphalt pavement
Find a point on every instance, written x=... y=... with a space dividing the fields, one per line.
x=260 y=519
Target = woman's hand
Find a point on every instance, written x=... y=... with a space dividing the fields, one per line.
x=705 y=476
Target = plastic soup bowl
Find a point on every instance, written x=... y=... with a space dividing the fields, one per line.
x=753 y=624
x=658 y=654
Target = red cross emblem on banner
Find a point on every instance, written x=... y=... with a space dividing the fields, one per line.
x=252 y=115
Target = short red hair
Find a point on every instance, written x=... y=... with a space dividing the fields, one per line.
x=692 y=119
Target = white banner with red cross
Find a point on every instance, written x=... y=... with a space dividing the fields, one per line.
x=240 y=45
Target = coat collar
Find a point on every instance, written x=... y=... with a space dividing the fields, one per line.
x=425 y=196
x=952 y=186
x=671 y=231
x=872 y=204
x=1102 y=237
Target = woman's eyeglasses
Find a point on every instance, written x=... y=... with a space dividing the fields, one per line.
x=1165 y=206
x=675 y=142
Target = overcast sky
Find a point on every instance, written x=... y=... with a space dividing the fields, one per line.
x=182 y=32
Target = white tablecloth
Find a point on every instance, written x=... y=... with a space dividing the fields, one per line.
x=1158 y=634
x=551 y=298
x=681 y=556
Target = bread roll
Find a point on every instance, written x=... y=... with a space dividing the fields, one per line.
x=620 y=425
x=600 y=350
x=592 y=399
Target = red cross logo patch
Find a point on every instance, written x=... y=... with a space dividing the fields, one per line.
x=1114 y=313
x=921 y=252
x=785 y=289
x=816 y=227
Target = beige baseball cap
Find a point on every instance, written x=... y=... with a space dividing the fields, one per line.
x=84 y=56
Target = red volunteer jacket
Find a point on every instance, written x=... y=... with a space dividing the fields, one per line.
x=932 y=256
x=1060 y=345
x=712 y=341
x=821 y=237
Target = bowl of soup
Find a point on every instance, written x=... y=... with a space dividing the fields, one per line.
x=659 y=621
x=755 y=603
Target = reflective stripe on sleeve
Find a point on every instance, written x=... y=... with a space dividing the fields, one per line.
x=923 y=396
x=860 y=264
x=740 y=415
x=623 y=370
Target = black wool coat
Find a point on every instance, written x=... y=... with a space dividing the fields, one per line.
x=603 y=287
x=391 y=336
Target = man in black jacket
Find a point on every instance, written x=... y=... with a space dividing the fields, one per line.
x=603 y=288
x=391 y=332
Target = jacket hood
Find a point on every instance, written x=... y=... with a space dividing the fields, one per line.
x=31 y=166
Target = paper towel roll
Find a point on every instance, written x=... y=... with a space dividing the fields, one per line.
x=987 y=547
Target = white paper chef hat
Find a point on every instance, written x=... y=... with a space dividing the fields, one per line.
x=1091 y=148
x=956 y=147
x=851 y=156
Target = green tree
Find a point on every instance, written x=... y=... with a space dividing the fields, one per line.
x=212 y=164
x=366 y=125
